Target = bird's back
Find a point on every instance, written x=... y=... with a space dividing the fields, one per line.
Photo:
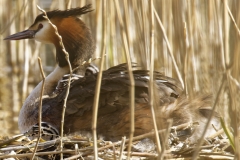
x=114 y=112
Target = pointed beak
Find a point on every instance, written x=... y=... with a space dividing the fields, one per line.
x=27 y=34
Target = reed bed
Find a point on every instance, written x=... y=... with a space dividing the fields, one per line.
x=196 y=42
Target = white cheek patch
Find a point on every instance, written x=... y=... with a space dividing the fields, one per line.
x=45 y=33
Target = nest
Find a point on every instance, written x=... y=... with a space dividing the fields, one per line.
x=76 y=146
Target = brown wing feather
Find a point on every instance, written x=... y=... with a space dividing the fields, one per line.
x=113 y=116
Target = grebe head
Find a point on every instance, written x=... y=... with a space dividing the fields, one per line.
x=76 y=36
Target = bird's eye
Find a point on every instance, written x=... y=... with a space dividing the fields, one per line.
x=40 y=26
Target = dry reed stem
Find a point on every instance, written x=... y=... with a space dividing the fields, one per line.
x=227 y=72
x=40 y=108
x=233 y=20
x=142 y=154
x=234 y=116
x=235 y=81
x=126 y=21
x=226 y=35
x=114 y=152
x=166 y=135
x=69 y=79
x=69 y=3
x=151 y=81
x=191 y=14
x=35 y=54
x=145 y=29
x=28 y=147
x=169 y=49
x=122 y=147
x=13 y=19
x=74 y=157
x=76 y=148
x=98 y=84
x=185 y=60
x=8 y=141
x=218 y=133
x=37 y=154
x=132 y=83
x=196 y=152
x=229 y=77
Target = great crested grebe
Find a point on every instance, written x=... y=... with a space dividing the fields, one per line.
x=113 y=116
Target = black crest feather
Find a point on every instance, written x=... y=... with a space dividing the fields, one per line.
x=74 y=12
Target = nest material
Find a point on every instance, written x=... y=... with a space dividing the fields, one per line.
x=75 y=146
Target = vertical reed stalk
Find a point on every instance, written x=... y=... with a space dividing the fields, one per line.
x=99 y=80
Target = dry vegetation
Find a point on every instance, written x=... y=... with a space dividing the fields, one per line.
x=203 y=37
